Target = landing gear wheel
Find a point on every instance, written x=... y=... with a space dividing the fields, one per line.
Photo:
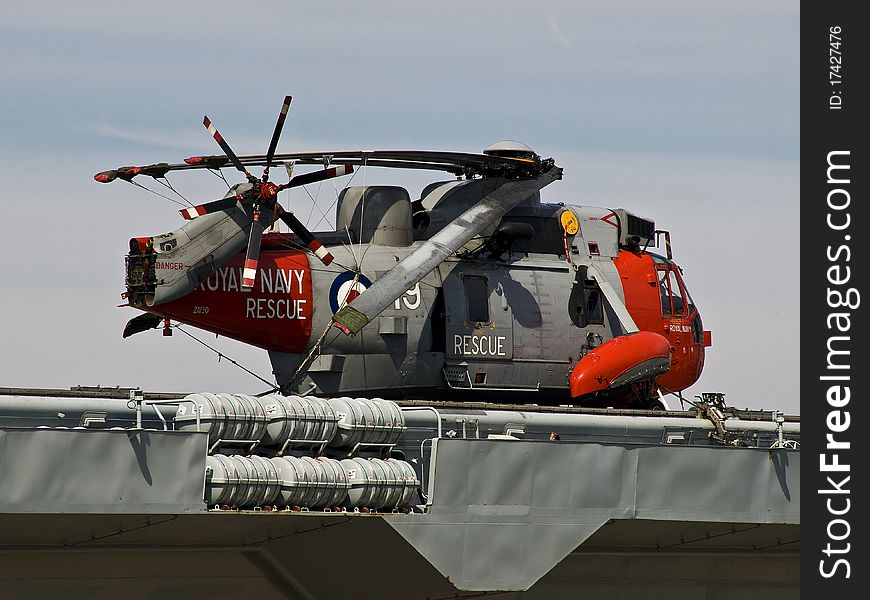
x=648 y=397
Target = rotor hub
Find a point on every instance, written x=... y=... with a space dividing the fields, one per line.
x=510 y=149
x=268 y=190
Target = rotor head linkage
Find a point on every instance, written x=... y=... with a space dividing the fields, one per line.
x=265 y=192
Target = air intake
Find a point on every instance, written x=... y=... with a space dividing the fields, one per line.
x=631 y=225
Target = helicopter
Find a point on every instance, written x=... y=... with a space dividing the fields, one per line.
x=475 y=291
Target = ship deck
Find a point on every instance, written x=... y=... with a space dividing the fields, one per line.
x=101 y=513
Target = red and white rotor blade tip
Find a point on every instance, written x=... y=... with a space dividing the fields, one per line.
x=210 y=207
x=252 y=256
x=306 y=236
x=279 y=125
x=316 y=176
x=225 y=147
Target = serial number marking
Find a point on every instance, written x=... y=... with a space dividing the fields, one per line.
x=835 y=63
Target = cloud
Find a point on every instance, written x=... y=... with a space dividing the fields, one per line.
x=166 y=139
x=556 y=33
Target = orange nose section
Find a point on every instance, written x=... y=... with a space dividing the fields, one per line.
x=621 y=361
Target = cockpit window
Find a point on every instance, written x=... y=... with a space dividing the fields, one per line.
x=690 y=304
x=677 y=303
x=665 y=292
x=671 y=293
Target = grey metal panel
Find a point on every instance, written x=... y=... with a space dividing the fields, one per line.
x=293 y=555
x=521 y=291
x=737 y=485
x=545 y=349
x=511 y=552
x=51 y=411
x=601 y=428
x=471 y=341
x=505 y=512
x=393 y=325
x=327 y=363
x=596 y=230
x=211 y=555
x=125 y=471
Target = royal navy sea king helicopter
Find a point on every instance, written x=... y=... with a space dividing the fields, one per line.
x=476 y=290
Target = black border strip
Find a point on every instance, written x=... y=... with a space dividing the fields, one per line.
x=834 y=261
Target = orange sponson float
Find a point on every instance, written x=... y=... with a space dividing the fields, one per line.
x=621 y=361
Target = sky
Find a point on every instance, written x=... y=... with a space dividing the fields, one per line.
x=681 y=111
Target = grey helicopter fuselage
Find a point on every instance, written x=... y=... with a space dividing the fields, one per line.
x=506 y=317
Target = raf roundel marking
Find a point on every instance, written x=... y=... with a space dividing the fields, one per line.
x=343 y=289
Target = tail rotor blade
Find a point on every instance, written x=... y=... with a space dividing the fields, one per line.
x=210 y=207
x=316 y=176
x=226 y=148
x=306 y=236
x=252 y=256
x=275 y=135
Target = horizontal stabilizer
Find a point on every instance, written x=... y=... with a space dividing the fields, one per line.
x=143 y=322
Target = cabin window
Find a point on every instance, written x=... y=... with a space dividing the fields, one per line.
x=477 y=299
x=585 y=305
x=592 y=298
x=439 y=333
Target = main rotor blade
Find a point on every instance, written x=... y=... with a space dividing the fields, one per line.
x=252 y=256
x=210 y=207
x=306 y=236
x=275 y=135
x=383 y=292
x=316 y=176
x=226 y=148
x=616 y=303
